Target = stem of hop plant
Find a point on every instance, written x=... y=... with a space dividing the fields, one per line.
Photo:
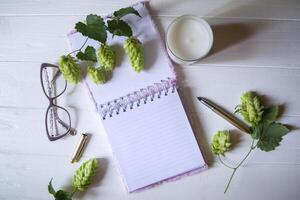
x=235 y=168
x=80 y=47
x=72 y=193
x=220 y=159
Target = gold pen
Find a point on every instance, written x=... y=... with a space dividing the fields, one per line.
x=231 y=119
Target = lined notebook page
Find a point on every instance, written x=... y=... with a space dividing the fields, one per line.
x=153 y=142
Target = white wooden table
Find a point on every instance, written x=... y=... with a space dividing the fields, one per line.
x=257 y=47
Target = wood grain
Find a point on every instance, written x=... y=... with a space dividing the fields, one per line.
x=255 y=9
x=237 y=42
x=256 y=47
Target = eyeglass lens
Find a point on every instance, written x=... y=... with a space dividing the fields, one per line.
x=57 y=122
x=52 y=82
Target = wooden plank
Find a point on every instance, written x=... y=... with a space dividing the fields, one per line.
x=26 y=177
x=224 y=85
x=55 y=7
x=237 y=42
x=23 y=127
x=263 y=9
x=250 y=182
x=22 y=88
x=241 y=42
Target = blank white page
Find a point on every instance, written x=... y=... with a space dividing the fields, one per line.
x=153 y=142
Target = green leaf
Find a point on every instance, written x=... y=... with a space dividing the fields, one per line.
x=62 y=195
x=271 y=113
x=257 y=130
x=81 y=28
x=119 y=27
x=89 y=54
x=94 y=28
x=269 y=134
x=125 y=11
x=94 y=19
x=50 y=188
x=277 y=130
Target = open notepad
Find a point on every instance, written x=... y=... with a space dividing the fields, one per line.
x=147 y=127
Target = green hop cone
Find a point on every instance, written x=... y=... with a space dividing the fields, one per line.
x=97 y=75
x=107 y=57
x=221 y=142
x=69 y=69
x=134 y=49
x=251 y=108
x=84 y=175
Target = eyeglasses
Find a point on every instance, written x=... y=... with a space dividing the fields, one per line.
x=57 y=118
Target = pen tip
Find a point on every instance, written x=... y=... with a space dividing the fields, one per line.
x=200 y=98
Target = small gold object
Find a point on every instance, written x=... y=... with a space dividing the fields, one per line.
x=80 y=147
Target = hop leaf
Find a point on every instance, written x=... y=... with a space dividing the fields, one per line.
x=97 y=75
x=119 y=27
x=107 y=57
x=89 y=54
x=271 y=113
x=125 y=11
x=221 y=142
x=50 y=188
x=94 y=28
x=268 y=134
x=69 y=69
x=60 y=194
x=250 y=108
x=134 y=49
x=84 y=175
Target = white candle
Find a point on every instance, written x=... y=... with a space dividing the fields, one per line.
x=188 y=39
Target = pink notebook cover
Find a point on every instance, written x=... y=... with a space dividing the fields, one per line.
x=147 y=127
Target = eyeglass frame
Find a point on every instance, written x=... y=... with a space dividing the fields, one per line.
x=52 y=103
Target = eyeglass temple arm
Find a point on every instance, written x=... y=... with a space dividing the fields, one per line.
x=56 y=75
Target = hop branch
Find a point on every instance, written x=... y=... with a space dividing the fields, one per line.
x=265 y=131
x=94 y=27
x=80 y=182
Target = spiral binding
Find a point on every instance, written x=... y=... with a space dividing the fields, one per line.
x=137 y=98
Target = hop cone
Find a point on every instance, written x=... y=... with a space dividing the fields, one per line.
x=69 y=69
x=134 y=49
x=221 y=142
x=250 y=108
x=97 y=75
x=84 y=175
x=107 y=57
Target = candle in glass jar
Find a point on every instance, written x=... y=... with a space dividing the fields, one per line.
x=188 y=39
